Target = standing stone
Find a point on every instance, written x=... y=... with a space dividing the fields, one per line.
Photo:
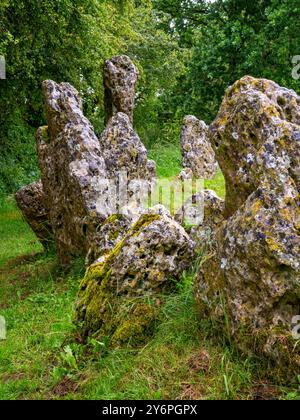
x=126 y=160
x=251 y=118
x=198 y=157
x=254 y=275
x=106 y=236
x=73 y=171
x=120 y=76
x=30 y=200
x=134 y=175
x=117 y=295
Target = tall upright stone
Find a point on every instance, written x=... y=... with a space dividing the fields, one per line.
x=254 y=274
x=73 y=171
x=119 y=76
x=198 y=157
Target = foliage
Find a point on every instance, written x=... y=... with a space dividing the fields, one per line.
x=68 y=40
x=228 y=39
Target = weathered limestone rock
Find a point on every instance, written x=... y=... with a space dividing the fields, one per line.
x=213 y=210
x=30 y=200
x=106 y=236
x=73 y=171
x=212 y=217
x=152 y=253
x=185 y=174
x=254 y=275
x=251 y=121
x=113 y=230
x=197 y=153
x=120 y=76
x=126 y=160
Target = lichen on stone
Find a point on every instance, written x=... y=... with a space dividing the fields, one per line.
x=255 y=266
x=198 y=157
x=120 y=76
x=31 y=201
x=142 y=265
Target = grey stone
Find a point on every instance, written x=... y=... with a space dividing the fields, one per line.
x=120 y=76
x=197 y=153
x=254 y=274
x=30 y=200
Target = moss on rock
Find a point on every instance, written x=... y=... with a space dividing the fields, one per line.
x=116 y=295
x=255 y=266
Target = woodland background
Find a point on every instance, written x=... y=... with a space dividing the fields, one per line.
x=188 y=52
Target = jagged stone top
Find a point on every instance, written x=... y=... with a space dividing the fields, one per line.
x=119 y=76
x=198 y=157
x=63 y=106
x=256 y=135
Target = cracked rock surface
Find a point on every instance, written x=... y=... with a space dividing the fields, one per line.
x=254 y=274
x=120 y=76
x=198 y=157
x=31 y=201
x=73 y=171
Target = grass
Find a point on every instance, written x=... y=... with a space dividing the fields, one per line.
x=167 y=158
x=168 y=161
x=182 y=360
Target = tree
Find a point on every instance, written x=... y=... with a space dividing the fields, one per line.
x=68 y=40
x=229 y=39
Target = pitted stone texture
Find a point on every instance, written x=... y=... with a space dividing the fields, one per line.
x=197 y=153
x=30 y=200
x=144 y=263
x=213 y=209
x=114 y=229
x=106 y=237
x=192 y=212
x=203 y=212
x=254 y=274
x=73 y=171
x=120 y=76
x=256 y=117
x=126 y=159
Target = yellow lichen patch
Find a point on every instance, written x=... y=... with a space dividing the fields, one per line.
x=45 y=134
x=256 y=207
x=100 y=308
x=285 y=214
x=273 y=245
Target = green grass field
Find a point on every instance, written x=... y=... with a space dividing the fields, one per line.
x=182 y=360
